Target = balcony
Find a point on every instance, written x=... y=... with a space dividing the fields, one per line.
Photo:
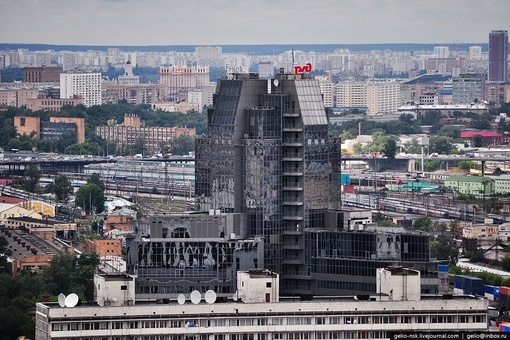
x=293 y=260
x=298 y=275
x=292 y=128
x=293 y=142
x=292 y=171
x=293 y=245
x=289 y=114
x=293 y=202
x=293 y=186
x=292 y=217
x=293 y=157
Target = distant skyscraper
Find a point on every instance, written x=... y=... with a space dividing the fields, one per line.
x=442 y=51
x=498 y=56
x=266 y=70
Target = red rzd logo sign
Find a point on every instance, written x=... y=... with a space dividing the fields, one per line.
x=302 y=69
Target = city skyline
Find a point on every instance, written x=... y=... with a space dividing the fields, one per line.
x=224 y=22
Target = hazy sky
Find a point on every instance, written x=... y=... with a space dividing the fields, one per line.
x=210 y=22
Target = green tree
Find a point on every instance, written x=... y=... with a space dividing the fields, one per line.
x=68 y=273
x=505 y=263
x=475 y=256
x=66 y=140
x=346 y=135
x=181 y=145
x=61 y=187
x=444 y=248
x=477 y=141
x=423 y=223
x=95 y=178
x=57 y=274
x=32 y=176
x=412 y=147
x=91 y=198
x=390 y=148
x=450 y=131
x=5 y=266
x=441 y=145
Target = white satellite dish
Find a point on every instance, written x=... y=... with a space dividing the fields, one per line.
x=234 y=297
x=181 y=299
x=276 y=82
x=62 y=300
x=210 y=296
x=72 y=300
x=195 y=297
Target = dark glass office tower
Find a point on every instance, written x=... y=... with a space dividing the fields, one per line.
x=267 y=154
x=498 y=56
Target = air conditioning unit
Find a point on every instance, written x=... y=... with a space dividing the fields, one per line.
x=130 y=302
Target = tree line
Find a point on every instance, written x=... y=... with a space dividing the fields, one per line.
x=106 y=114
x=66 y=273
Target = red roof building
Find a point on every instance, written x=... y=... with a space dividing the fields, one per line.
x=489 y=138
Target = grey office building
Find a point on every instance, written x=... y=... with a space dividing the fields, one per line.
x=268 y=155
x=267 y=191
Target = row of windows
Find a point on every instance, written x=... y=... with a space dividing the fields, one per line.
x=256 y=336
x=334 y=320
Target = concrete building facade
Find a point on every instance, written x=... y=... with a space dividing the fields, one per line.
x=87 y=85
x=468 y=88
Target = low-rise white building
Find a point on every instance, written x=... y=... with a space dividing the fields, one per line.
x=397 y=307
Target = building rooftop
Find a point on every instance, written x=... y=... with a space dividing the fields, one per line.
x=471 y=134
x=467 y=178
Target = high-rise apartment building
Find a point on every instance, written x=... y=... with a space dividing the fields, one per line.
x=378 y=96
x=266 y=70
x=498 y=56
x=475 y=52
x=180 y=80
x=87 y=85
x=468 y=88
x=442 y=51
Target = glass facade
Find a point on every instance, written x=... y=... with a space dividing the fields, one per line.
x=268 y=156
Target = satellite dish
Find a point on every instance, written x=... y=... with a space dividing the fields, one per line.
x=72 y=300
x=234 y=297
x=210 y=296
x=62 y=300
x=195 y=297
x=276 y=82
x=181 y=299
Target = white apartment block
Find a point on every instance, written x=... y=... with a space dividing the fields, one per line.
x=442 y=51
x=327 y=91
x=196 y=98
x=351 y=94
x=475 y=52
x=87 y=85
x=383 y=97
x=378 y=96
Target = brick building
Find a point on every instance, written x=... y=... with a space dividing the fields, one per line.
x=43 y=74
x=51 y=130
x=131 y=132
